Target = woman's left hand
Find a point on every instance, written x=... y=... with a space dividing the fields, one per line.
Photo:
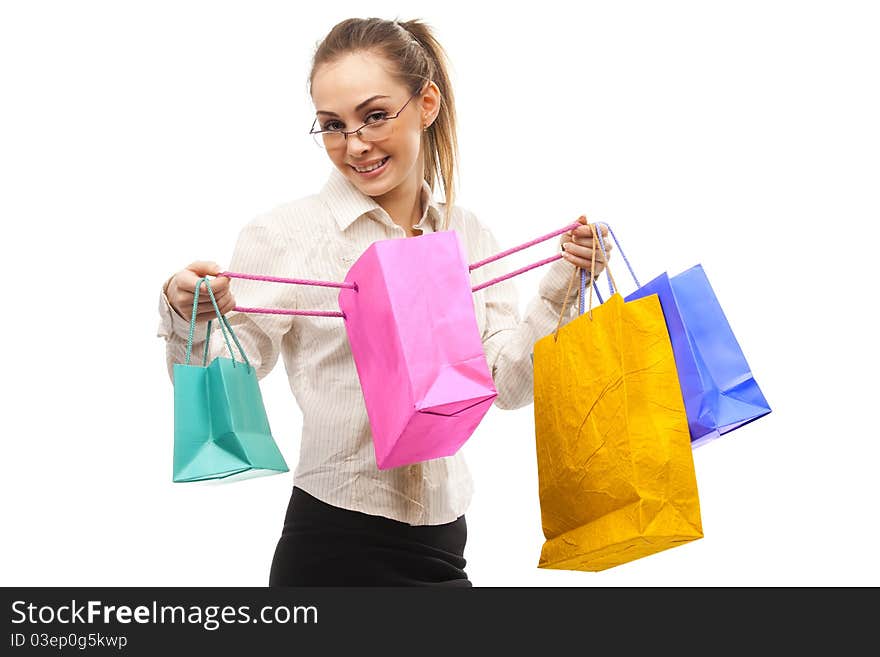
x=577 y=246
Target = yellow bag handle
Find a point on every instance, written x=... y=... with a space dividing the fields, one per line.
x=592 y=282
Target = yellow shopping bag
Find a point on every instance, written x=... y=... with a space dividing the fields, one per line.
x=615 y=469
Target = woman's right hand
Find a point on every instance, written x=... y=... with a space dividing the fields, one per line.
x=180 y=290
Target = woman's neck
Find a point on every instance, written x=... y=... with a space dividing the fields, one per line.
x=404 y=207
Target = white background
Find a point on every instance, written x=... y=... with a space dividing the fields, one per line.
x=138 y=137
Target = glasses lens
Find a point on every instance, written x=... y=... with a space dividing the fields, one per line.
x=377 y=130
x=329 y=140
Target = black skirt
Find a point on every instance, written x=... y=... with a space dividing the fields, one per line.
x=324 y=545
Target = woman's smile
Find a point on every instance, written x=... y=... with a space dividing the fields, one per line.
x=372 y=171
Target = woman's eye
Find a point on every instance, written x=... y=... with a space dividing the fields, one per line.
x=371 y=118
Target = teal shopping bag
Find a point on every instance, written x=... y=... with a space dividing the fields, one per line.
x=220 y=423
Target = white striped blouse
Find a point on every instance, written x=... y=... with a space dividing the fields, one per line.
x=319 y=237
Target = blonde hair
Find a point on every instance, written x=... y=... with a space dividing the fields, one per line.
x=417 y=56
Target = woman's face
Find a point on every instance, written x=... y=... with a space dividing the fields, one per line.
x=340 y=87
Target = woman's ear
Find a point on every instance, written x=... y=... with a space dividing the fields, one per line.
x=431 y=99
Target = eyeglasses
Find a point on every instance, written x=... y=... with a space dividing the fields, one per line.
x=373 y=130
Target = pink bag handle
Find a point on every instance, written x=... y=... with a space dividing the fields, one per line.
x=498 y=256
x=295 y=281
x=353 y=286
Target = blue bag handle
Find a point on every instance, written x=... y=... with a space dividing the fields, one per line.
x=622 y=255
x=223 y=323
x=583 y=294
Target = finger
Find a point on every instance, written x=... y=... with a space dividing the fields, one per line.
x=586 y=250
x=202 y=314
x=185 y=281
x=209 y=312
x=226 y=303
x=219 y=285
x=588 y=242
x=585 y=231
x=220 y=290
x=205 y=313
x=220 y=299
x=583 y=252
x=584 y=263
x=205 y=300
x=204 y=268
x=582 y=249
x=582 y=232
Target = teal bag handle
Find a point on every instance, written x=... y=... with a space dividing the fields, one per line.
x=223 y=323
x=192 y=327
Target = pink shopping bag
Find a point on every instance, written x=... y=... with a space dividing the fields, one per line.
x=409 y=316
x=414 y=337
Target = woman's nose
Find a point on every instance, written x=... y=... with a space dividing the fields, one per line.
x=355 y=144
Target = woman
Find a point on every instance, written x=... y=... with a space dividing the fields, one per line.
x=385 y=115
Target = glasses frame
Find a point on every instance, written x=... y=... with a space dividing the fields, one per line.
x=346 y=133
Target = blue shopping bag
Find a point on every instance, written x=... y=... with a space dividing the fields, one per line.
x=220 y=423
x=719 y=390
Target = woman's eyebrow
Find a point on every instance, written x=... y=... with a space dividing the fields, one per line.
x=358 y=108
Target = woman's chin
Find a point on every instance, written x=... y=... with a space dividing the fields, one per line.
x=375 y=187
x=372 y=188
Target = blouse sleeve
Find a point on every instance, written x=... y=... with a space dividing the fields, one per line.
x=257 y=250
x=508 y=340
